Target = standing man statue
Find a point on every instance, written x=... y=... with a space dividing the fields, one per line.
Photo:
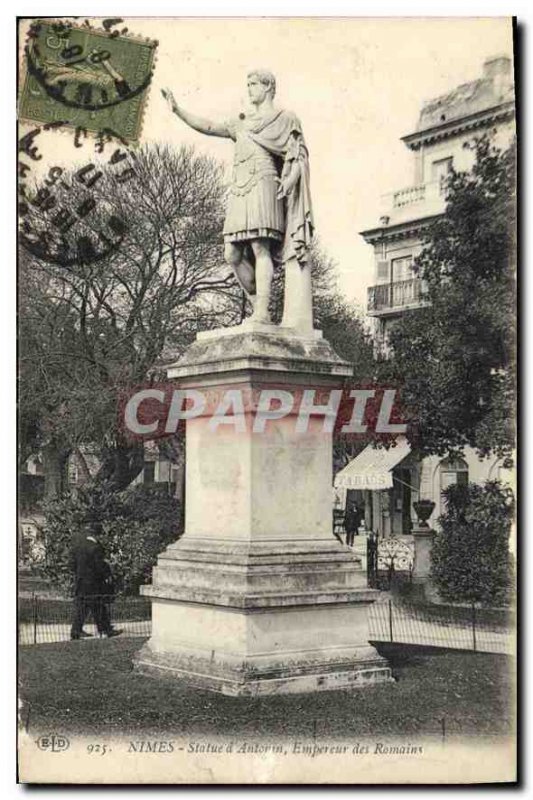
x=269 y=213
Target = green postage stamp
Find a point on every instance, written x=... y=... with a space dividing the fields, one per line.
x=87 y=78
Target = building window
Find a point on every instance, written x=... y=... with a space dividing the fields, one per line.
x=402 y=269
x=440 y=171
x=453 y=472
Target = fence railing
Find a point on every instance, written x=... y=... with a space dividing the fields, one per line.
x=41 y=619
x=399 y=294
x=389 y=559
x=408 y=196
x=430 y=195
x=461 y=628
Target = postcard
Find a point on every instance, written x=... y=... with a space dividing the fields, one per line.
x=267 y=368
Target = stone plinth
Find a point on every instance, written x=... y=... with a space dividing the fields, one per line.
x=258 y=597
x=423 y=541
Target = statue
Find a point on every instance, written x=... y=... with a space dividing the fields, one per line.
x=269 y=213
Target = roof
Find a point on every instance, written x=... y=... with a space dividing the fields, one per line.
x=493 y=91
x=467 y=99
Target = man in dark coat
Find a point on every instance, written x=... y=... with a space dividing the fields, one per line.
x=93 y=585
x=352 y=521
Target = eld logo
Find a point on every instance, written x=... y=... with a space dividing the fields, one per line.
x=53 y=743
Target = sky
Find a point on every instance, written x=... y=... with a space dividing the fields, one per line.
x=357 y=85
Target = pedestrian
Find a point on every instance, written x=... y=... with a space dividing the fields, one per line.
x=93 y=584
x=352 y=521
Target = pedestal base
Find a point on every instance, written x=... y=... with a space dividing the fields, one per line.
x=304 y=671
x=217 y=626
x=258 y=597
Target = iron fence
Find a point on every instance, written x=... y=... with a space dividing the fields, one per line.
x=42 y=619
x=462 y=628
x=389 y=561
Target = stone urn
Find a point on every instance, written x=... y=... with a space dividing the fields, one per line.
x=423 y=510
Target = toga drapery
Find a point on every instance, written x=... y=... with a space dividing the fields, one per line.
x=265 y=150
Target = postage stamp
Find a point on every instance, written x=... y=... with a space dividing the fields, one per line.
x=88 y=78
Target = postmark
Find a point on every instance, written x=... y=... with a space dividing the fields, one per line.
x=87 y=78
x=65 y=220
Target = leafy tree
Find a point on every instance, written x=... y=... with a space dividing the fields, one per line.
x=341 y=324
x=455 y=358
x=136 y=526
x=339 y=320
x=470 y=554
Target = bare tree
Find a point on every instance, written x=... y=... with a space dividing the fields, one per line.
x=92 y=324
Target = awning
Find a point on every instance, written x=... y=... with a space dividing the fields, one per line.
x=371 y=469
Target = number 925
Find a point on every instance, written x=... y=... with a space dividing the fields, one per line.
x=97 y=749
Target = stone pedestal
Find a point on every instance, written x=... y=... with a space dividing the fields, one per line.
x=258 y=597
x=423 y=541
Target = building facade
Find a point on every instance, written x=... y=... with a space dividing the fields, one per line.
x=388 y=485
x=446 y=126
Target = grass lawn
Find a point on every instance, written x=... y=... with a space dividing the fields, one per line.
x=89 y=687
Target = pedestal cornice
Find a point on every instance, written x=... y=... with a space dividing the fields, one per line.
x=260 y=349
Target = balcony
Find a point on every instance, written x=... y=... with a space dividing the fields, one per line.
x=414 y=202
x=390 y=298
x=409 y=196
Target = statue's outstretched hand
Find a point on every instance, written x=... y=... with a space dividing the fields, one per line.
x=169 y=97
x=196 y=123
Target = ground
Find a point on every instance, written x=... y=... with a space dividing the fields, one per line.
x=89 y=687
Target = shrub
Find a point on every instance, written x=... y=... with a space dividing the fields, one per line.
x=470 y=555
x=137 y=524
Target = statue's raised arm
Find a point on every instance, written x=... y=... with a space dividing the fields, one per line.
x=197 y=123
